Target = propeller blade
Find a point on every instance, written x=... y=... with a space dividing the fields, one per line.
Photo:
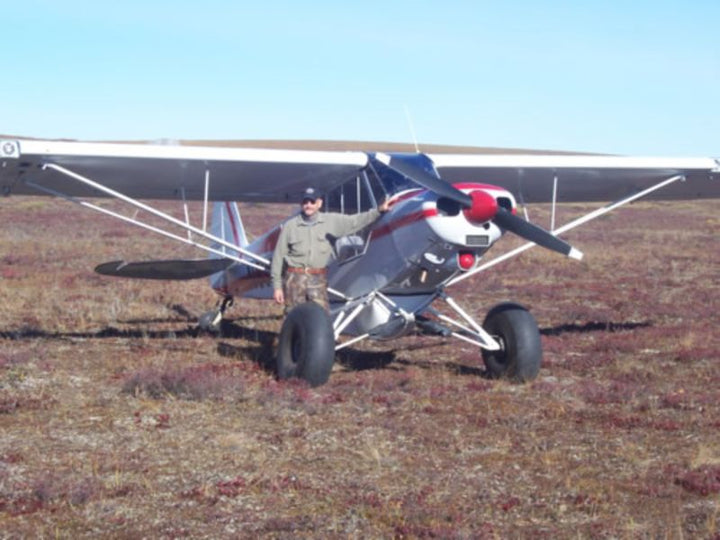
x=425 y=179
x=533 y=233
x=167 y=270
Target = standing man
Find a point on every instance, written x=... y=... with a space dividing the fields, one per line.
x=303 y=250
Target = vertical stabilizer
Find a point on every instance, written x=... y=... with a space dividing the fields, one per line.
x=227 y=224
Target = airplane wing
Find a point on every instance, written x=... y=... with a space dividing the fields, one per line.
x=80 y=170
x=153 y=171
x=576 y=178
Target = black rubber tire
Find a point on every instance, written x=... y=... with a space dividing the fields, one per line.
x=521 y=355
x=205 y=322
x=306 y=348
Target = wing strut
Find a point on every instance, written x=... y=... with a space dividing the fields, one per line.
x=186 y=210
x=155 y=212
x=205 y=199
x=554 y=203
x=568 y=226
x=146 y=226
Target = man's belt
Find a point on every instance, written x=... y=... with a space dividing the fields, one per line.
x=304 y=270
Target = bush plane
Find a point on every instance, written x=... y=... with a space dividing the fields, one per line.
x=448 y=210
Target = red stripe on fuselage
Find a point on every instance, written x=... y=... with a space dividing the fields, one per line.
x=408 y=195
x=403 y=222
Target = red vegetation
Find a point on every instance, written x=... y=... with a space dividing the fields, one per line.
x=703 y=481
x=119 y=419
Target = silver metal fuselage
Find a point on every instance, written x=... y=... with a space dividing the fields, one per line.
x=407 y=255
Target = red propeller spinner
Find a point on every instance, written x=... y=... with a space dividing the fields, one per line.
x=484 y=207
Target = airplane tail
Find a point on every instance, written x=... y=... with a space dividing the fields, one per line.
x=227 y=224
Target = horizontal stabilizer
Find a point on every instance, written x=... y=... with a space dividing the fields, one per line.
x=167 y=270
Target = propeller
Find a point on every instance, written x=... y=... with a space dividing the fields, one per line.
x=524 y=229
x=479 y=206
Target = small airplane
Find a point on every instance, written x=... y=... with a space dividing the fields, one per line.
x=449 y=209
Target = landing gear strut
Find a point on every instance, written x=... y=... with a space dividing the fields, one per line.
x=509 y=339
x=212 y=320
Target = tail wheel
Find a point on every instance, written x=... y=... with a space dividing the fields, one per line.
x=521 y=353
x=212 y=320
x=306 y=347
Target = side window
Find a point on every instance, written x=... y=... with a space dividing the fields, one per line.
x=365 y=197
x=341 y=199
x=335 y=201
x=376 y=187
x=352 y=204
x=354 y=196
x=350 y=198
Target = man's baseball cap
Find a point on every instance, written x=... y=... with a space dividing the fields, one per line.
x=311 y=193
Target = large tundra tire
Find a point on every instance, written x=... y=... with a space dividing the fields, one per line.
x=521 y=354
x=306 y=348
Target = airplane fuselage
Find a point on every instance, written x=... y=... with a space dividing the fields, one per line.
x=408 y=254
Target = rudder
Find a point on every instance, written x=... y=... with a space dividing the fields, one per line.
x=227 y=224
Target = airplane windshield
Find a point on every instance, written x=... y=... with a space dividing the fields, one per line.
x=393 y=182
x=367 y=190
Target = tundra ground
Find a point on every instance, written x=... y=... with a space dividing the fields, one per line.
x=120 y=419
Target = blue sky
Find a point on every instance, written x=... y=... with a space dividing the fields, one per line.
x=630 y=77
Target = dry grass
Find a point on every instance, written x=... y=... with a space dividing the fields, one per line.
x=119 y=420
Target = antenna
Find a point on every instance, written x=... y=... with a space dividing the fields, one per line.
x=412 y=128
